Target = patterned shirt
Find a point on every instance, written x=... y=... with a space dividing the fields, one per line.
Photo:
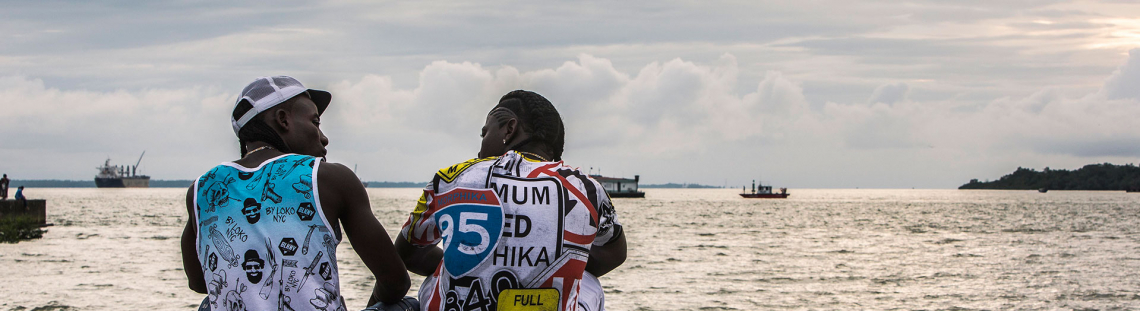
x=513 y=231
x=263 y=241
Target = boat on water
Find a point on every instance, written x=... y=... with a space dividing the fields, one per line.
x=620 y=187
x=763 y=192
x=121 y=176
x=1043 y=190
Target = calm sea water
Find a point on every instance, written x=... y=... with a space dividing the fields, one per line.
x=690 y=249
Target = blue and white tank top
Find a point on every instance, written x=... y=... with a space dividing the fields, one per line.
x=263 y=241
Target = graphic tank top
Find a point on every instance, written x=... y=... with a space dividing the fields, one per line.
x=514 y=232
x=263 y=241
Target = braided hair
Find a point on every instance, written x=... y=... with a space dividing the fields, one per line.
x=258 y=130
x=538 y=118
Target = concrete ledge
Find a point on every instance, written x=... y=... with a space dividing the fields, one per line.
x=36 y=208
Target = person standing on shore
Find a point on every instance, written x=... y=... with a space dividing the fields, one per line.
x=4 y=187
x=263 y=230
x=517 y=226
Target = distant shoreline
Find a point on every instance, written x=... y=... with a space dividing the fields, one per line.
x=677 y=186
x=175 y=183
x=183 y=183
x=61 y=183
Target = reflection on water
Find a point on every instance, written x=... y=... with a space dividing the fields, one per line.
x=690 y=249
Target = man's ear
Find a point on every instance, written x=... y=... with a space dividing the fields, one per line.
x=510 y=129
x=281 y=119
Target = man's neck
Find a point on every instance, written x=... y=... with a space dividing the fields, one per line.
x=255 y=156
x=534 y=151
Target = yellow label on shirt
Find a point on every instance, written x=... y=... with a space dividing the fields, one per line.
x=449 y=173
x=531 y=299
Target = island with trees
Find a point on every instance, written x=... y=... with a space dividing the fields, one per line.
x=1091 y=177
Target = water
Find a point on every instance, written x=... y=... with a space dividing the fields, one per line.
x=689 y=249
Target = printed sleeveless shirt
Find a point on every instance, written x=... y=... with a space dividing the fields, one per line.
x=515 y=232
x=263 y=241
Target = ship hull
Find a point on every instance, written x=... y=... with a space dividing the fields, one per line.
x=626 y=194
x=765 y=195
x=128 y=182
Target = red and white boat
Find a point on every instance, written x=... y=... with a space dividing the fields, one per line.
x=764 y=192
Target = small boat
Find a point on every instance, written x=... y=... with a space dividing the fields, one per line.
x=1043 y=190
x=764 y=192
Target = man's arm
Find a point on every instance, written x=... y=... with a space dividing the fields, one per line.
x=606 y=258
x=190 y=263
x=419 y=260
x=341 y=190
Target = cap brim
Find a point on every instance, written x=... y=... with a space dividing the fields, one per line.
x=321 y=98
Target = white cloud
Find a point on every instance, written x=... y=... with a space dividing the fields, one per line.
x=53 y=133
x=1124 y=81
x=641 y=123
x=889 y=93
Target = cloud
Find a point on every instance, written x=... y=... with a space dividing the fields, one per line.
x=670 y=121
x=80 y=128
x=889 y=93
x=1123 y=146
x=1124 y=81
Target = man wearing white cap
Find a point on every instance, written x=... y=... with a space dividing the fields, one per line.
x=263 y=229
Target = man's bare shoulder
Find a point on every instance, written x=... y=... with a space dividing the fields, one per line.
x=335 y=174
x=335 y=168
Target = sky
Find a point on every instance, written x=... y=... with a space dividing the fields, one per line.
x=800 y=94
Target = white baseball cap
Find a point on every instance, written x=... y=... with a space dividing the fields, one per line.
x=266 y=92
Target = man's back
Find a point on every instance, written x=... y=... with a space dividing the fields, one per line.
x=292 y=208
x=508 y=223
x=263 y=238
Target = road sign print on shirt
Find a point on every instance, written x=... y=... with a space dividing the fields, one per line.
x=470 y=222
x=548 y=216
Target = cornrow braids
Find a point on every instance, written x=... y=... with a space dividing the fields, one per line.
x=538 y=117
x=258 y=130
x=502 y=115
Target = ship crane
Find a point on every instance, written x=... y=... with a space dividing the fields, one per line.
x=134 y=169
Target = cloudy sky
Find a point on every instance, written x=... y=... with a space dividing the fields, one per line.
x=803 y=94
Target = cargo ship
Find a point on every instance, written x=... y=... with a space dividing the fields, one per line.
x=764 y=192
x=121 y=176
x=620 y=187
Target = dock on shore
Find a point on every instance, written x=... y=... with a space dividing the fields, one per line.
x=36 y=210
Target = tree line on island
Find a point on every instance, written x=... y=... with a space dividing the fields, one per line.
x=1090 y=177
